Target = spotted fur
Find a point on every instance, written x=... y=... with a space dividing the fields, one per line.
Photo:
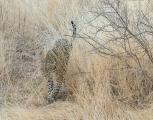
x=55 y=65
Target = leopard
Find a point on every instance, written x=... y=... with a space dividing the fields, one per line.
x=55 y=67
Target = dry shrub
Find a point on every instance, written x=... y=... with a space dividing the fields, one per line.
x=100 y=87
x=130 y=84
x=90 y=78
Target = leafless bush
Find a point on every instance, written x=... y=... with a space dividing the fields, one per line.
x=126 y=35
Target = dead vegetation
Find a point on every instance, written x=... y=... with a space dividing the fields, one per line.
x=109 y=74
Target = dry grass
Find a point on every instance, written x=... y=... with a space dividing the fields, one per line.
x=100 y=88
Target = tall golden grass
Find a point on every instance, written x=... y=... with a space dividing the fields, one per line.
x=100 y=88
